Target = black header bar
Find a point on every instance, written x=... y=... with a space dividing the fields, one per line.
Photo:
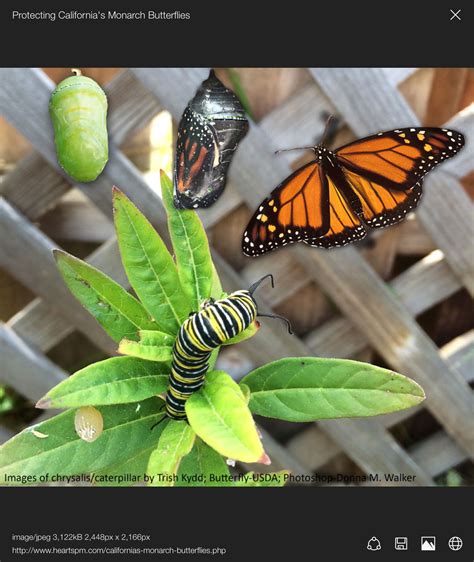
x=238 y=33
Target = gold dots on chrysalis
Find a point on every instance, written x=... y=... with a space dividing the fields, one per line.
x=88 y=423
x=420 y=137
x=428 y=147
x=271 y=227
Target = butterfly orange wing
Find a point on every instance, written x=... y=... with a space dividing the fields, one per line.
x=383 y=207
x=295 y=209
x=345 y=226
x=399 y=159
x=386 y=170
x=305 y=207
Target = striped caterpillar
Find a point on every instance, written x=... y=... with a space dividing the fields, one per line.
x=217 y=322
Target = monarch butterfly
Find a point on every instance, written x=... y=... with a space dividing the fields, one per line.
x=332 y=201
x=209 y=132
x=216 y=323
x=78 y=110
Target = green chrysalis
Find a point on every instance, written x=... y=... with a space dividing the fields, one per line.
x=78 y=109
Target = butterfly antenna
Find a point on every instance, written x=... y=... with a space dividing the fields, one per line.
x=257 y=284
x=297 y=148
x=277 y=316
x=326 y=129
x=331 y=123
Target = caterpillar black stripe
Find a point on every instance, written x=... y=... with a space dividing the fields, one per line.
x=216 y=323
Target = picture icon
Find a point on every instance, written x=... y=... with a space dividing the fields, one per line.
x=401 y=543
x=455 y=543
x=428 y=543
x=374 y=544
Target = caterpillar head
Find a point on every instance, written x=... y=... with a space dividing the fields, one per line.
x=208 y=302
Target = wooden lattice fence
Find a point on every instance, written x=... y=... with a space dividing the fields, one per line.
x=373 y=315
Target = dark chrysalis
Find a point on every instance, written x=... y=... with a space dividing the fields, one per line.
x=209 y=132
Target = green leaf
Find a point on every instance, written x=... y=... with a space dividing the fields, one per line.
x=216 y=287
x=175 y=442
x=218 y=413
x=213 y=358
x=149 y=266
x=203 y=467
x=120 y=314
x=307 y=389
x=245 y=391
x=126 y=431
x=245 y=335
x=152 y=346
x=117 y=380
x=191 y=248
x=265 y=480
x=130 y=471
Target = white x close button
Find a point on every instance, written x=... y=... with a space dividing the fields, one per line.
x=455 y=15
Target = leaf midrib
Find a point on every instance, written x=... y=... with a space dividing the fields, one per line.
x=103 y=297
x=333 y=389
x=223 y=422
x=194 y=267
x=110 y=383
x=176 y=316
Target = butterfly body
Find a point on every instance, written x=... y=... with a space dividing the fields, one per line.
x=209 y=132
x=336 y=198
